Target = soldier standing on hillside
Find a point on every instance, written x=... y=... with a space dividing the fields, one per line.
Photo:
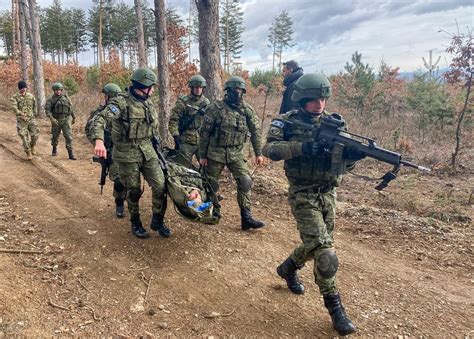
x=224 y=131
x=110 y=91
x=186 y=119
x=291 y=72
x=134 y=123
x=311 y=193
x=59 y=110
x=24 y=106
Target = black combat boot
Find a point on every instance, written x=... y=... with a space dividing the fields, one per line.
x=119 y=208
x=340 y=321
x=287 y=270
x=137 y=227
x=55 y=151
x=71 y=155
x=247 y=221
x=158 y=224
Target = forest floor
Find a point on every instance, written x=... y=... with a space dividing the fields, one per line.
x=406 y=257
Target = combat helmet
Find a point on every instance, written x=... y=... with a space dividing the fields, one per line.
x=197 y=81
x=144 y=77
x=311 y=86
x=111 y=89
x=57 y=85
x=235 y=82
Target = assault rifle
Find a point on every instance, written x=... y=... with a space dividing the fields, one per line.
x=105 y=163
x=189 y=122
x=341 y=144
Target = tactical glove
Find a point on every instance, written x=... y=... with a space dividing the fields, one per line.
x=73 y=120
x=177 y=142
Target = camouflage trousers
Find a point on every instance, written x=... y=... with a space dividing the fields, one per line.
x=185 y=154
x=239 y=170
x=315 y=215
x=120 y=192
x=130 y=176
x=64 y=125
x=28 y=132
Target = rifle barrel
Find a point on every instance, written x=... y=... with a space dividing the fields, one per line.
x=418 y=167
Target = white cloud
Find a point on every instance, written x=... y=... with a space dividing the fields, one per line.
x=328 y=32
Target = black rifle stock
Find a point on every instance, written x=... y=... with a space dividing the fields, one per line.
x=331 y=136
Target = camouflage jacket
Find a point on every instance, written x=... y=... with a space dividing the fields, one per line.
x=225 y=130
x=285 y=142
x=132 y=124
x=59 y=105
x=184 y=122
x=24 y=106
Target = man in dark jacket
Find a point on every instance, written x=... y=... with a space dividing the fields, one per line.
x=292 y=72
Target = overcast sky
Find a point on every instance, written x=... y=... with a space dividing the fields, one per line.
x=328 y=32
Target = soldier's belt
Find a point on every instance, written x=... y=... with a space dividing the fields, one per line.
x=315 y=189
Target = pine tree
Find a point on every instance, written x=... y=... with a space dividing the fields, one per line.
x=230 y=31
x=79 y=31
x=280 y=36
x=6 y=31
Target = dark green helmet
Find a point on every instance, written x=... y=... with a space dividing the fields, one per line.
x=311 y=86
x=197 y=81
x=145 y=77
x=235 y=82
x=111 y=89
x=57 y=85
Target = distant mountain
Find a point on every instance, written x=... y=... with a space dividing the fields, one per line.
x=410 y=75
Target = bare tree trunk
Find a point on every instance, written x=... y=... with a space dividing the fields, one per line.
x=15 y=35
x=37 y=59
x=100 y=49
x=460 y=120
x=209 y=52
x=23 y=42
x=142 y=59
x=162 y=66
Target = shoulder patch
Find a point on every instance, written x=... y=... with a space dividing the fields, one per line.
x=278 y=123
x=275 y=131
x=113 y=109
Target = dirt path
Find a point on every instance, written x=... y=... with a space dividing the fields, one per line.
x=208 y=280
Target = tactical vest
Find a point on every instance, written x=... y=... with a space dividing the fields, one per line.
x=231 y=126
x=135 y=121
x=190 y=122
x=305 y=169
x=61 y=106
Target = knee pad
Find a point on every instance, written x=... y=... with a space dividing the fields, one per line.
x=134 y=194
x=327 y=263
x=244 y=183
x=118 y=187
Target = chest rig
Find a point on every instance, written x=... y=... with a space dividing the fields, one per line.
x=134 y=120
x=231 y=126
x=307 y=169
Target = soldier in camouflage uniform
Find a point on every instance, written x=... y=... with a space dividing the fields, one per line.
x=134 y=122
x=24 y=106
x=119 y=193
x=224 y=131
x=59 y=110
x=186 y=119
x=312 y=193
